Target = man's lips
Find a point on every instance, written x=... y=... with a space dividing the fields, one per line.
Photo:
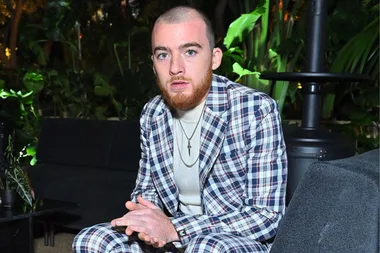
x=178 y=85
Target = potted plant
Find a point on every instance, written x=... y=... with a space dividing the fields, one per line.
x=15 y=181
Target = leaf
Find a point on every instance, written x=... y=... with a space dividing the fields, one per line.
x=100 y=80
x=33 y=82
x=15 y=176
x=37 y=50
x=102 y=91
x=52 y=72
x=356 y=53
x=5 y=94
x=272 y=54
x=236 y=68
x=244 y=24
x=31 y=150
x=2 y=84
x=33 y=161
x=328 y=105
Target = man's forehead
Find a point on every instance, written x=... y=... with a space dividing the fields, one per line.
x=183 y=32
x=186 y=23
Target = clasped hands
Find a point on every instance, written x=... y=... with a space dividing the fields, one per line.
x=149 y=221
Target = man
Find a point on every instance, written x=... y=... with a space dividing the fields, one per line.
x=213 y=170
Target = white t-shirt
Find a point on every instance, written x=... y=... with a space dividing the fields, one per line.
x=186 y=161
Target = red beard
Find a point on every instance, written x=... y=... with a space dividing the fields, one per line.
x=187 y=102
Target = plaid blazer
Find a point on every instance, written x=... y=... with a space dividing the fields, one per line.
x=242 y=164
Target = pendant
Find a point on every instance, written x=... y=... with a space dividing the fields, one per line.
x=188 y=146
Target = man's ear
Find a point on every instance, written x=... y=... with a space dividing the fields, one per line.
x=217 y=55
x=154 y=70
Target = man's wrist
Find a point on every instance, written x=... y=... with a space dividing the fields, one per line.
x=174 y=236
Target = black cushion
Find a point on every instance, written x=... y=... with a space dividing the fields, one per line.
x=75 y=141
x=93 y=163
x=335 y=208
x=100 y=194
x=125 y=149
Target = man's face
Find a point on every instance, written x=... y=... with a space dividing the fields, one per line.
x=183 y=62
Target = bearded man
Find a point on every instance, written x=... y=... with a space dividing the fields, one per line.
x=213 y=167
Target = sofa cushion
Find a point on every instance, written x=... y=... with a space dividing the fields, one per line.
x=334 y=209
x=125 y=150
x=75 y=142
x=100 y=194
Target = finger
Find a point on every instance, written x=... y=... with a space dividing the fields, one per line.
x=146 y=203
x=161 y=244
x=147 y=238
x=131 y=205
x=129 y=231
x=139 y=229
x=144 y=237
x=141 y=236
x=115 y=221
x=128 y=221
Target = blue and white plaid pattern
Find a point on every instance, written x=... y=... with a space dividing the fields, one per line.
x=243 y=166
x=102 y=238
x=243 y=173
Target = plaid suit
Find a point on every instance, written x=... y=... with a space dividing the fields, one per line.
x=242 y=169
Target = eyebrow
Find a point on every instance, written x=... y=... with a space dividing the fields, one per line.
x=184 y=46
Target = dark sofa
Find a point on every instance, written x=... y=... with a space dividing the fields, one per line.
x=335 y=208
x=93 y=163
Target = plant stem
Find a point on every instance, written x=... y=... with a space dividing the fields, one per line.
x=118 y=59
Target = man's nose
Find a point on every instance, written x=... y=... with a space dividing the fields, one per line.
x=176 y=65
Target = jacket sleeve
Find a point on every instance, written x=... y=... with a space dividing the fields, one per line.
x=264 y=198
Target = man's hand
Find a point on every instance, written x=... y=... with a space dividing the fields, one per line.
x=153 y=226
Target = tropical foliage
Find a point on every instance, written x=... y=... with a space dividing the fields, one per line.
x=91 y=59
x=262 y=39
x=15 y=177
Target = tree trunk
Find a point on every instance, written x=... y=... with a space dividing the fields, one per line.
x=14 y=34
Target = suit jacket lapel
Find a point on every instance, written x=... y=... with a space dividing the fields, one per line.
x=212 y=137
x=162 y=161
x=215 y=120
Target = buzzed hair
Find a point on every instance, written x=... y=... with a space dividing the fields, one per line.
x=181 y=14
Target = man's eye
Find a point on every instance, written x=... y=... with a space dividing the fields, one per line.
x=191 y=52
x=162 y=56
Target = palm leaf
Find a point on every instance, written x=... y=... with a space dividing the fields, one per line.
x=355 y=55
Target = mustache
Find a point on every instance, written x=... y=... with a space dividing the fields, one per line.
x=182 y=78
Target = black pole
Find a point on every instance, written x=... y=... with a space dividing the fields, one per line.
x=315 y=53
x=311 y=142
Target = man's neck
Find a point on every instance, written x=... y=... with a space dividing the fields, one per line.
x=191 y=115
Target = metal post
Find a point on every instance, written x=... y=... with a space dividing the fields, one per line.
x=315 y=53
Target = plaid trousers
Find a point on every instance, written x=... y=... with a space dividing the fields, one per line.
x=102 y=238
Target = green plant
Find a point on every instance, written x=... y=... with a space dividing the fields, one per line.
x=256 y=45
x=15 y=177
x=360 y=54
x=358 y=102
x=20 y=113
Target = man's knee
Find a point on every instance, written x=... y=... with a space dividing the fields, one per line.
x=100 y=238
x=207 y=243
x=224 y=243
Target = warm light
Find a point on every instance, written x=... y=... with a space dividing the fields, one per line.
x=8 y=53
x=299 y=86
